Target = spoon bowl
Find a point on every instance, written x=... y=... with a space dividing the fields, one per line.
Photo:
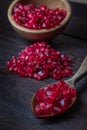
x=41 y=34
x=82 y=71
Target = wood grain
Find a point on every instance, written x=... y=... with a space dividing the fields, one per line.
x=16 y=92
x=81 y=1
x=77 y=26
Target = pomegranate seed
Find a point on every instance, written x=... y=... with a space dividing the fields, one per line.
x=54 y=99
x=40 y=61
x=40 y=17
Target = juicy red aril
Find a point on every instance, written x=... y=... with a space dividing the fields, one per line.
x=53 y=99
x=40 y=17
x=40 y=61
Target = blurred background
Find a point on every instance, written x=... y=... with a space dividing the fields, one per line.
x=81 y=1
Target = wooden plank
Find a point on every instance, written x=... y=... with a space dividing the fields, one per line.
x=81 y=1
x=77 y=26
x=16 y=92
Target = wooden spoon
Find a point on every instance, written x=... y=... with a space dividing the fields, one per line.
x=82 y=71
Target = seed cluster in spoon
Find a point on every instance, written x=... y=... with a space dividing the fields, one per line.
x=53 y=99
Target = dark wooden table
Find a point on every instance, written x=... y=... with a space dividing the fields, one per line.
x=16 y=92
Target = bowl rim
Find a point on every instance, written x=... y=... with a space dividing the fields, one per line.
x=9 y=14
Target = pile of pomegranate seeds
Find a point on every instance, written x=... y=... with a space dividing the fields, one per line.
x=40 y=17
x=40 y=61
x=53 y=99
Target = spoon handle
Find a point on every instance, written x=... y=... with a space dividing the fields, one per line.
x=81 y=72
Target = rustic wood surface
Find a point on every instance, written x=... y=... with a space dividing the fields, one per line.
x=81 y=1
x=16 y=92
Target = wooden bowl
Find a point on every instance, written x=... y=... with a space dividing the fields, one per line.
x=42 y=34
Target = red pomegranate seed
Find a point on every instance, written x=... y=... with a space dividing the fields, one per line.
x=40 y=17
x=40 y=61
x=53 y=99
